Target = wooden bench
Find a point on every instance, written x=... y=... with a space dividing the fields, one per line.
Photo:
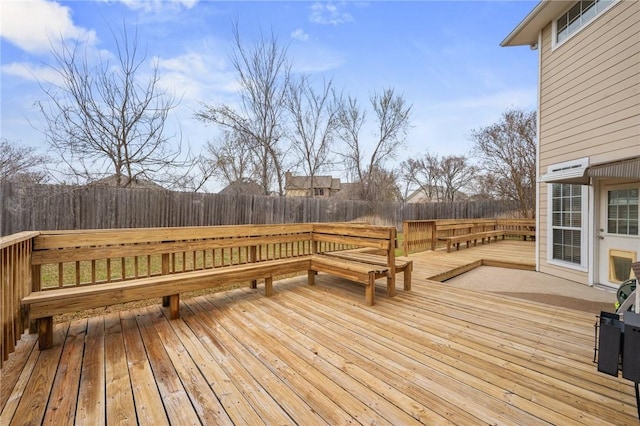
x=404 y=266
x=364 y=273
x=218 y=256
x=467 y=232
x=365 y=269
x=524 y=228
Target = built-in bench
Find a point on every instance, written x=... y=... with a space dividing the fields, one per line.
x=164 y=262
x=467 y=232
x=432 y=234
x=404 y=266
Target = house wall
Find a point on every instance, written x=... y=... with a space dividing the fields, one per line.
x=589 y=102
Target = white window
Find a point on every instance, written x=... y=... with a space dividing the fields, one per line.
x=622 y=211
x=567 y=224
x=577 y=17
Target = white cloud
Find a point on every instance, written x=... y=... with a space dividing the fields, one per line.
x=194 y=77
x=316 y=59
x=32 y=72
x=33 y=25
x=299 y=34
x=328 y=13
x=158 y=5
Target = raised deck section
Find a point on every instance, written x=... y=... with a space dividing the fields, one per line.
x=317 y=355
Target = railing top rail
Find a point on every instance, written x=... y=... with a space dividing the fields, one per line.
x=64 y=239
x=12 y=239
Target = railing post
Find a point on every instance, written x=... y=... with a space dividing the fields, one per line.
x=166 y=300
x=36 y=285
x=434 y=232
x=405 y=236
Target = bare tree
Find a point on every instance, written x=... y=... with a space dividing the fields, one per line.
x=314 y=125
x=264 y=74
x=507 y=151
x=455 y=174
x=423 y=174
x=109 y=118
x=21 y=163
x=393 y=117
x=231 y=158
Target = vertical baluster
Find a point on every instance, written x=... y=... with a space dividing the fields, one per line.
x=60 y=274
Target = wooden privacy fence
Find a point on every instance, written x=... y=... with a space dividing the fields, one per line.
x=52 y=207
x=421 y=235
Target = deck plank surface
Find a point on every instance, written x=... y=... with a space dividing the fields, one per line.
x=318 y=355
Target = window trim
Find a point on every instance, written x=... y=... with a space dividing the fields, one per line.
x=554 y=24
x=584 y=231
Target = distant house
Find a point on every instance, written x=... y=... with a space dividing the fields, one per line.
x=112 y=181
x=305 y=186
x=243 y=187
x=588 y=137
x=421 y=196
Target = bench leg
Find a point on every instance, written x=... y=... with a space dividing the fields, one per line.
x=370 y=291
x=391 y=285
x=166 y=301
x=254 y=284
x=449 y=246
x=174 y=306
x=407 y=277
x=45 y=333
x=311 y=277
x=268 y=286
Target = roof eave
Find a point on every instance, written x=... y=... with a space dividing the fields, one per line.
x=526 y=33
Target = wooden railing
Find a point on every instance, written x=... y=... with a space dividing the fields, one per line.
x=51 y=260
x=422 y=235
x=15 y=283
x=418 y=235
x=79 y=258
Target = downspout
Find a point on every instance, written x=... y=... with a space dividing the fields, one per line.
x=537 y=257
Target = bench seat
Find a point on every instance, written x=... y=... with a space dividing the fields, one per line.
x=457 y=239
x=520 y=233
x=364 y=273
x=43 y=305
x=405 y=266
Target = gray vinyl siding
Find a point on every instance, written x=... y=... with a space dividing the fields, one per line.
x=589 y=101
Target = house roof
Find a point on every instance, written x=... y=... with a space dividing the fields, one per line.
x=243 y=186
x=304 y=182
x=526 y=33
x=135 y=182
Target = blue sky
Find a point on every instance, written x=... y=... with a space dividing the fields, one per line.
x=443 y=56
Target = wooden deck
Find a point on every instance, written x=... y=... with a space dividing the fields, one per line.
x=318 y=355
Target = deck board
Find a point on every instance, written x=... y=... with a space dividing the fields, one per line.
x=318 y=355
